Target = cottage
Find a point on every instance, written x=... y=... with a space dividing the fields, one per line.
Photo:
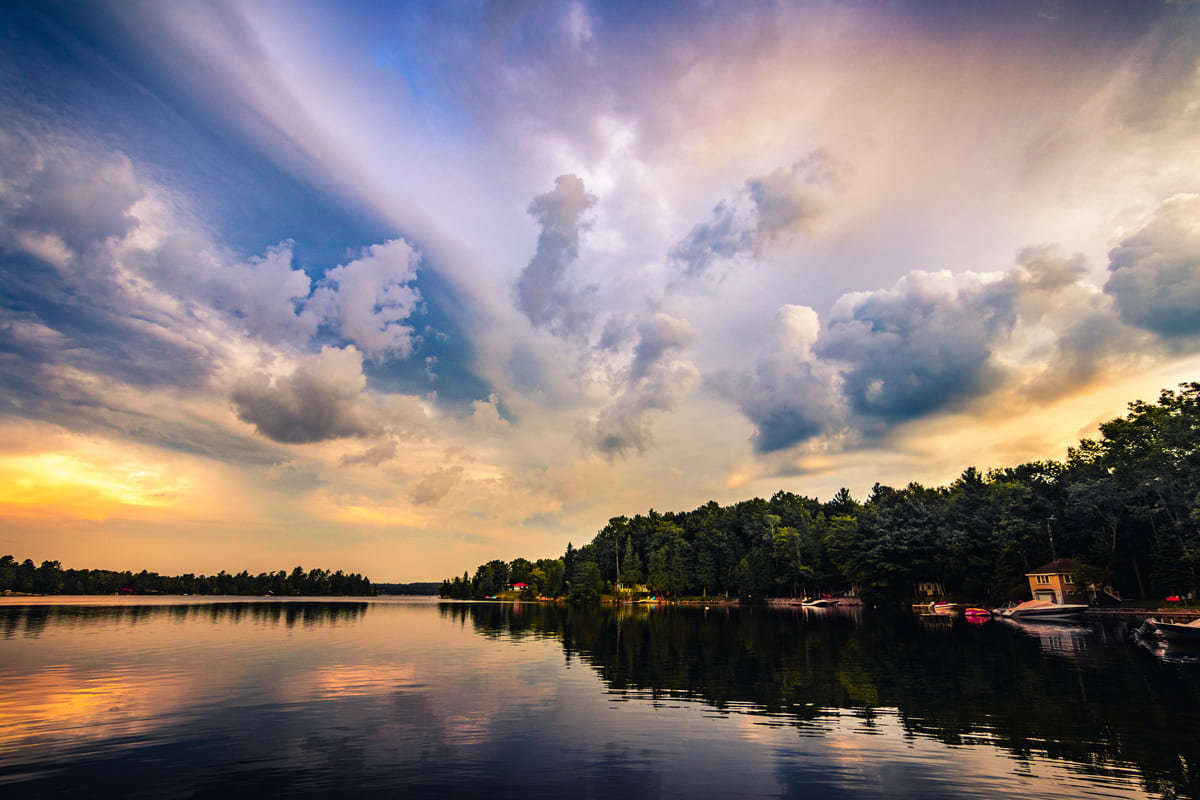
x=1054 y=581
x=930 y=589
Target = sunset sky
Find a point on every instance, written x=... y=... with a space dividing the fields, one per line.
x=398 y=288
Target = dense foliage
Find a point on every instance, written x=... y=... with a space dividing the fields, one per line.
x=1125 y=505
x=51 y=578
x=420 y=588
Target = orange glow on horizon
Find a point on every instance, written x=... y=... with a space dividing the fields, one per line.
x=82 y=486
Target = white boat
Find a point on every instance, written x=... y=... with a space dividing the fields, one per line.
x=1043 y=609
x=942 y=607
x=820 y=602
x=1177 y=631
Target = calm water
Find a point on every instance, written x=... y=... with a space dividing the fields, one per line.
x=172 y=698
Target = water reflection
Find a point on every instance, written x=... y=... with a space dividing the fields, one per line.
x=1179 y=652
x=32 y=620
x=326 y=699
x=1064 y=639
x=1075 y=694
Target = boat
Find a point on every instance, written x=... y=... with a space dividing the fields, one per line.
x=977 y=616
x=936 y=607
x=1177 y=631
x=1043 y=609
x=820 y=602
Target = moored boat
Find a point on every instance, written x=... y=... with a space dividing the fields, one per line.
x=1043 y=609
x=1177 y=631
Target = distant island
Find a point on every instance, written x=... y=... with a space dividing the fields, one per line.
x=1125 y=508
x=50 y=578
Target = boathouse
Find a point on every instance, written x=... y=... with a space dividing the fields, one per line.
x=1054 y=581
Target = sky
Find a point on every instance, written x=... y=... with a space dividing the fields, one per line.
x=400 y=288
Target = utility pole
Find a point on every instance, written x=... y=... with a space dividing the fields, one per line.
x=1050 y=534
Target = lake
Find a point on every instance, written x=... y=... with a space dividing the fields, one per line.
x=191 y=697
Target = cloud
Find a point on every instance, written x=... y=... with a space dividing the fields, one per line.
x=130 y=261
x=617 y=330
x=1068 y=330
x=1154 y=274
x=321 y=399
x=542 y=293
x=262 y=295
x=130 y=245
x=920 y=346
x=932 y=342
x=120 y=314
x=790 y=201
x=486 y=417
x=625 y=424
x=294 y=476
x=792 y=396
x=372 y=456
x=368 y=300
x=782 y=204
x=56 y=201
x=726 y=236
x=436 y=485
x=656 y=383
x=658 y=336
x=1164 y=77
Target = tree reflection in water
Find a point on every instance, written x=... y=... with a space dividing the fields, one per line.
x=32 y=620
x=1083 y=695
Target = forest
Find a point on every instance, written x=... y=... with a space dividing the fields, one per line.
x=51 y=578
x=1125 y=506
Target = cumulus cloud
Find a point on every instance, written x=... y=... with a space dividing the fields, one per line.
x=1068 y=330
x=65 y=220
x=542 y=292
x=778 y=206
x=1154 y=274
x=142 y=300
x=130 y=262
x=920 y=346
x=128 y=244
x=262 y=295
x=792 y=396
x=321 y=399
x=657 y=382
x=936 y=341
x=368 y=300
x=486 y=417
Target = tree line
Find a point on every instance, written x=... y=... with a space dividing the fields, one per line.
x=419 y=588
x=50 y=578
x=1125 y=506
